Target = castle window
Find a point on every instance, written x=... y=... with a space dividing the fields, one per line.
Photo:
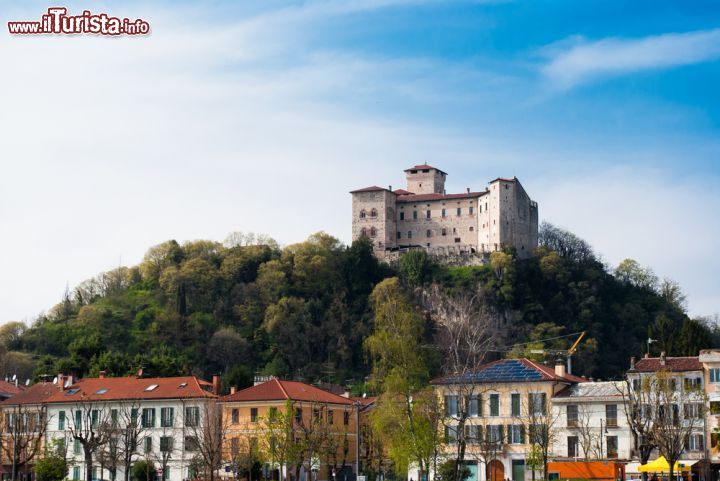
x=362 y=214
x=409 y=234
x=399 y=235
x=507 y=186
x=480 y=207
x=373 y=232
x=444 y=232
x=457 y=240
x=420 y=185
x=363 y=232
x=459 y=211
x=414 y=214
x=427 y=214
x=471 y=210
x=425 y=171
x=454 y=230
x=402 y=215
x=443 y=213
x=373 y=212
x=485 y=206
x=428 y=233
x=472 y=228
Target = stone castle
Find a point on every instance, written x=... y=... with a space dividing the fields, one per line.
x=425 y=216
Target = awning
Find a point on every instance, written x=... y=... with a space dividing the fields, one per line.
x=660 y=465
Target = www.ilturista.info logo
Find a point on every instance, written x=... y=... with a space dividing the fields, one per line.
x=57 y=21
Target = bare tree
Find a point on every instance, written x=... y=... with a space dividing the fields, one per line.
x=92 y=428
x=23 y=437
x=167 y=438
x=588 y=435
x=208 y=428
x=541 y=425
x=489 y=441
x=128 y=431
x=466 y=325
x=637 y=400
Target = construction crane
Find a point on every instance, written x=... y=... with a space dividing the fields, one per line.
x=568 y=354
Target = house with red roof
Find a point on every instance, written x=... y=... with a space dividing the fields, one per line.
x=278 y=419
x=424 y=215
x=105 y=424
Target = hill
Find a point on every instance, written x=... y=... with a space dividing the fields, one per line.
x=248 y=306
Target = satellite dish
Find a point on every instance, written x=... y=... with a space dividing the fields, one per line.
x=14 y=377
x=67 y=383
x=27 y=382
x=55 y=380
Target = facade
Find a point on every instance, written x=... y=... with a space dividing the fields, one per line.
x=263 y=416
x=511 y=398
x=163 y=416
x=592 y=423
x=425 y=216
x=710 y=359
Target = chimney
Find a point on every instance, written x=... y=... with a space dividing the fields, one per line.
x=647 y=355
x=390 y=188
x=468 y=190
x=233 y=389
x=102 y=375
x=662 y=358
x=632 y=362
x=559 y=368
x=216 y=384
x=61 y=381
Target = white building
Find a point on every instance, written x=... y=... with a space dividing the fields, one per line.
x=167 y=414
x=591 y=422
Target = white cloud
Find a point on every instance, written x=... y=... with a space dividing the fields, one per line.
x=577 y=60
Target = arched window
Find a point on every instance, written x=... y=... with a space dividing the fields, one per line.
x=363 y=232
x=373 y=232
x=373 y=212
x=362 y=214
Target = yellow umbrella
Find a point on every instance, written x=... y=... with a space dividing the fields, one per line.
x=660 y=465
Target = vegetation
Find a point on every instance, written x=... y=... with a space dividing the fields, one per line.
x=303 y=311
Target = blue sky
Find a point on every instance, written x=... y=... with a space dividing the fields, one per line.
x=261 y=116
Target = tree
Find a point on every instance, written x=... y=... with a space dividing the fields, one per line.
x=208 y=428
x=541 y=425
x=227 y=348
x=52 y=467
x=143 y=470
x=449 y=470
x=565 y=243
x=414 y=267
x=637 y=400
x=127 y=432
x=24 y=435
x=92 y=428
x=630 y=272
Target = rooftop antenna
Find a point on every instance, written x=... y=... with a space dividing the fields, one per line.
x=649 y=341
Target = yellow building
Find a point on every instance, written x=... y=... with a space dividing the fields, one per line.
x=506 y=404
x=297 y=432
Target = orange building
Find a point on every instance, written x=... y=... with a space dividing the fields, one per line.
x=586 y=470
x=296 y=431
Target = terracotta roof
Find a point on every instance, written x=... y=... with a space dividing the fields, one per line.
x=512 y=370
x=10 y=389
x=423 y=167
x=675 y=364
x=372 y=188
x=426 y=197
x=365 y=401
x=35 y=394
x=278 y=390
x=117 y=388
x=402 y=192
x=504 y=179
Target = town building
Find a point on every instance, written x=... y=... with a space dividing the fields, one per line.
x=325 y=424
x=710 y=359
x=591 y=422
x=507 y=410
x=160 y=420
x=424 y=216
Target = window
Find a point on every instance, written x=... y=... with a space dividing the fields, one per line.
x=692 y=383
x=61 y=420
x=373 y=212
x=451 y=405
x=714 y=407
x=428 y=233
x=537 y=403
x=167 y=416
x=515 y=404
x=399 y=235
x=76 y=473
x=94 y=418
x=450 y=434
x=693 y=410
x=235 y=446
x=191 y=443
x=572 y=446
x=443 y=231
x=253 y=415
x=612 y=447
x=494 y=405
x=298 y=415
x=442 y=213
x=272 y=414
x=330 y=416
x=427 y=214
x=166 y=473
x=517 y=434
x=363 y=232
x=114 y=418
x=695 y=442
x=192 y=416
x=151 y=387
x=78 y=419
x=495 y=433
x=459 y=211
x=95 y=472
x=77 y=449
x=471 y=210
x=473 y=403
x=457 y=240
x=402 y=215
x=317 y=413
x=235 y=415
x=414 y=214
x=148 y=417
x=166 y=444
x=472 y=433
x=346 y=418
x=373 y=232
x=472 y=228
x=572 y=417
x=611 y=415
x=409 y=234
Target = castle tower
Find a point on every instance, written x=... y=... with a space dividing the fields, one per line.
x=373 y=211
x=425 y=179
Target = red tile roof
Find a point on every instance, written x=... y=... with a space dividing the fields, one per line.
x=9 y=389
x=372 y=188
x=35 y=394
x=365 y=401
x=424 y=167
x=402 y=192
x=426 y=197
x=278 y=390
x=675 y=364
x=130 y=388
x=504 y=179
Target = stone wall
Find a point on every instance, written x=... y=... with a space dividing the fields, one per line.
x=383 y=201
x=450 y=231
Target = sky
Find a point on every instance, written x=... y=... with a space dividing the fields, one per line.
x=262 y=116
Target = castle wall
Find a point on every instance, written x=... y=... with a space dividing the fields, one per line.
x=460 y=231
x=383 y=201
x=422 y=182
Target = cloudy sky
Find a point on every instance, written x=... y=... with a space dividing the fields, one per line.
x=261 y=116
